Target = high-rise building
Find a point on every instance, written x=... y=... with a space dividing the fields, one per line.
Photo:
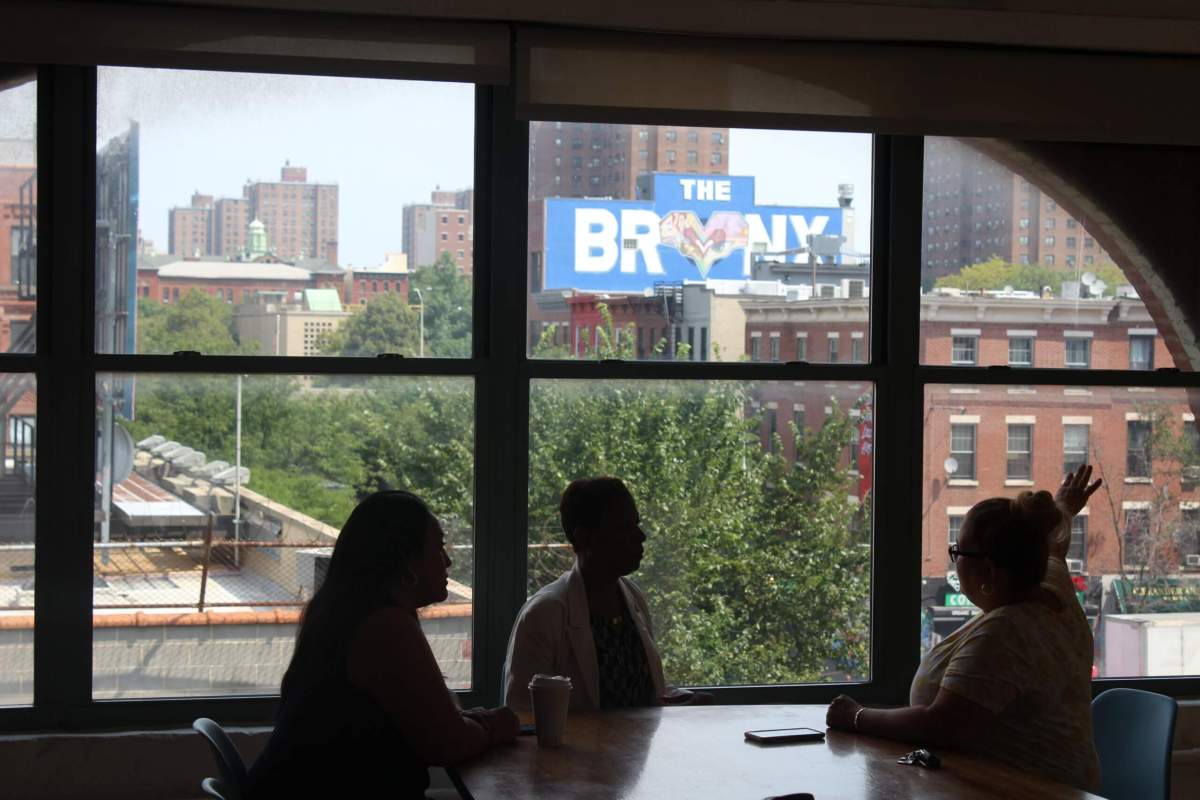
x=443 y=226
x=977 y=209
x=591 y=159
x=300 y=217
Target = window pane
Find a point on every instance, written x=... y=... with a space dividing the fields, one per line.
x=18 y=393
x=199 y=580
x=210 y=238
x=18 y=217
x=1129 y=550
x=773 y=240
x=992 y=258
x=716 y=499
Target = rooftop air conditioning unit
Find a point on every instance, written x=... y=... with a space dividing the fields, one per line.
x=312 y=565
x=1192 y=559
x=1075 y=565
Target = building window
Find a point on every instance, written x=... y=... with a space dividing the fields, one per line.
x=1075 y=446
x=833 y=350
x=1188 y=536
x=1049 y=224
x=714 y=159
x=1077 y=551
x=1138 y=450
x=962 y=450
x=670 y=156
x=1089 y=242
x=704 y=343
x=670 y=135
x=772 y=420
x=693 y=157
x=1023 y=222
x=1020 y=351
x=1020 y=452
x=963 y=350
x=1136 y=539
x=774 y=344
x=1141 y=352
x=1078 y=352
x=1023 y=241
x=1072 y=242
x=1048 y=241
x=445 y=219
x=643 y=154
x=445 y=237
x=756 y=348
x=802 y=348
x=693 y=137
x=718 y=138
x=856 y=350
x=1048 y=261
x=953 y=526
x=642 y=135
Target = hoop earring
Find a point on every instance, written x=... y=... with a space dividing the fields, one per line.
x=986 y=588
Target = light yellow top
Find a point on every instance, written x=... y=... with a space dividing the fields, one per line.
x=1032 y=667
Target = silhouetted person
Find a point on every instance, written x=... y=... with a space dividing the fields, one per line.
x=593 y=624
x=364 y=709
x=1014 y=683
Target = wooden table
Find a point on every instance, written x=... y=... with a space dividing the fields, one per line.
x=697 y=753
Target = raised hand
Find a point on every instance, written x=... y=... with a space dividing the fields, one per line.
x=1075 y=490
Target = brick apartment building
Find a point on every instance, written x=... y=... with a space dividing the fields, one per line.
x=301 y=220
x=975 y=209
x=443 y=226
x=1008 y=437
x=591 y=159
x=18 y=246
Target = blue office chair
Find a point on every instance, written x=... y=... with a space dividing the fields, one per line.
x=1133 y=731
x=232 y=783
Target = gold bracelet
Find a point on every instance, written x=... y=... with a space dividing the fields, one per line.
x=858 y=714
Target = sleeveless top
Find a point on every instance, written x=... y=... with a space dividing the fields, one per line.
x=1031 y=666
x=335 y=741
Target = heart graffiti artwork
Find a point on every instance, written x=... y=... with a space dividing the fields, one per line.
x=706 y=244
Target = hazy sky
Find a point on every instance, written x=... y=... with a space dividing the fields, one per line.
x=385 y=143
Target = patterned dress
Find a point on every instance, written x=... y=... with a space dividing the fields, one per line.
x=1031 y=666
x=621 y=657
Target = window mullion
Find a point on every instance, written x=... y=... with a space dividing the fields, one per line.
x=63 y=615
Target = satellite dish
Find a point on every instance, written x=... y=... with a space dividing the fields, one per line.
x=122 y=453
x=1098 y=286
x=1087 y=278
x=950 y=465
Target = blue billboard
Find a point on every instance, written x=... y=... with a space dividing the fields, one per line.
x=695 y=227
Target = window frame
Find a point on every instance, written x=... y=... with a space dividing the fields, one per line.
x=502 y=374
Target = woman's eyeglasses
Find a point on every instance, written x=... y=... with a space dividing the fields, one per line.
x=955 y=551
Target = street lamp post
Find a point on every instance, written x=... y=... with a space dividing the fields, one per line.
x=421 y=324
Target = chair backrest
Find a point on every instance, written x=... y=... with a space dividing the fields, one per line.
x=229 y=761
x=1133 y=731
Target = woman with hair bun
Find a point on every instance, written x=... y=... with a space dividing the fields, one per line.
x=1014 y=683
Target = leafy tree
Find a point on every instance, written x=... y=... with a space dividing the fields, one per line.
x=385 y=325
x=198 y=321
x=447 y=296
x=996 y=274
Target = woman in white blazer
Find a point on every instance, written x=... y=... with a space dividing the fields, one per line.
x=592 y=624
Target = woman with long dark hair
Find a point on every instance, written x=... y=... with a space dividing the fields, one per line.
x=364 y=707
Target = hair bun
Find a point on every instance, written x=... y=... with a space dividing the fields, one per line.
x=1038 y=510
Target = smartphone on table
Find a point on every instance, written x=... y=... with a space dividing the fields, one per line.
x=785 y=735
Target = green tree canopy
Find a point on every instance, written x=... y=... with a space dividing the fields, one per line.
x=385 y=325
x=447 y=296
x=996 y=274
x=198 y=321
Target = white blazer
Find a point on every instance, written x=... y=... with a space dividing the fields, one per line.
x=553 y=635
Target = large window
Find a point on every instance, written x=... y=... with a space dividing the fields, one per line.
x=219 y=496
x=18 y=390
x=253 y=215
x=772 y=241
x=717 y=497
x=276 y=316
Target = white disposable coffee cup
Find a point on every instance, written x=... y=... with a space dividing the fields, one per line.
x=550 y=696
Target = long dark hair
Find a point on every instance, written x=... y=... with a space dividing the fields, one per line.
x=382 y=533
